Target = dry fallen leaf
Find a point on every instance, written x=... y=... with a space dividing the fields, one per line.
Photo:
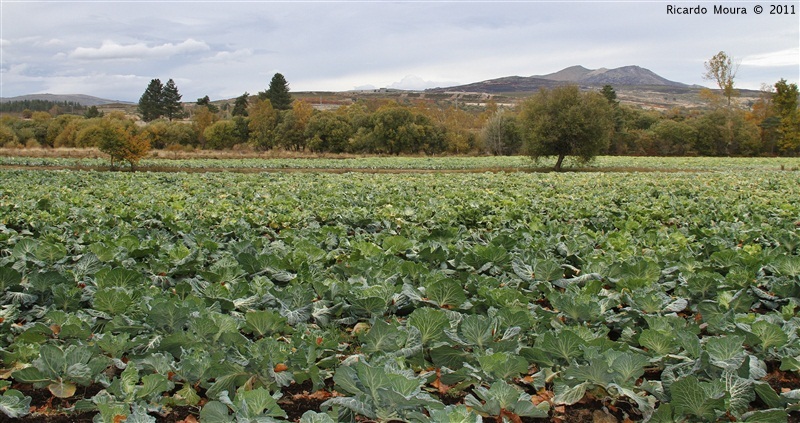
x=599 y=416
x=441 y=387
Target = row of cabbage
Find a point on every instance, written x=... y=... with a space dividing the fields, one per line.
x=420 y=297
x=427 y=163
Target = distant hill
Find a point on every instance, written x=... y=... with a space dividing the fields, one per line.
x=628 y=76
x=82 y=99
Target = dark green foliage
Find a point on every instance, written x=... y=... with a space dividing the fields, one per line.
x=41 y=106
x=610 y=95
x=171 y=101
x=160 y=100
x=785 y=98
x=501 y=135
x=723 y=132
x=240 y=105
x=565 y=122
x=278 y=93
x=150 y=103
x=221 y=135
x=328 y=132
x=92 y=112
x=671 y=296
x=205 y=101
x=398 y=130
x=671 y=138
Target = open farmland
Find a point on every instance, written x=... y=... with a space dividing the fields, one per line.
x=661 y=296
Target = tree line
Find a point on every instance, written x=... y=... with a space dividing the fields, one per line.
x=559 y=122
x=27 y=107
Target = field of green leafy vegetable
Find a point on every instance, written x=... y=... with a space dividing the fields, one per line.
x=315 y=297
x=421 y=163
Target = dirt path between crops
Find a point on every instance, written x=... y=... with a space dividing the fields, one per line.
x=176 y=169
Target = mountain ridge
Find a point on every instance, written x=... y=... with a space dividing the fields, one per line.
x=631 y=75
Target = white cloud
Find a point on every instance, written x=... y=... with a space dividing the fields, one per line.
x=223 y=49
x=229 y=56
x=112 y=50
x=53 y=42
x=788 y=57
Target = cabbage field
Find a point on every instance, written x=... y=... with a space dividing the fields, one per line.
x=660 y=296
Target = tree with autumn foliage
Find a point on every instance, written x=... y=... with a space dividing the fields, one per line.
x=202 y=119
x=762 y=114
x=293 y=125
x=122 y=142
x=262 y=124
x=785 y=104
x=722 y=69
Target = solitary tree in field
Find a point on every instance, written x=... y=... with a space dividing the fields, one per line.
x=150 y=104
x=722 y=70
x=122 y=143
x=566 y=122
x=278 y=93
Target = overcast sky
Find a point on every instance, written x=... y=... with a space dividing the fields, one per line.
x=112 y=49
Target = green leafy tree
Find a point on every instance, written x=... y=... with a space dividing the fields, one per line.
x=565 y=122
x=671 y=138
x=90 y=134
x=725 y=132
x=394 y=129
x=150 y=103
x=501 y=134
x=163 y=134
x=240 y=105
x=39 y=123
x=722 y=70
x=221 y=135
x=328 y=132
x=278 y=93
x=171 y=101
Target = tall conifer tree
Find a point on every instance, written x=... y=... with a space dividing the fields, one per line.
x=240 y=105
x=171 y=101
x=150 y=103
x=278 y=93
